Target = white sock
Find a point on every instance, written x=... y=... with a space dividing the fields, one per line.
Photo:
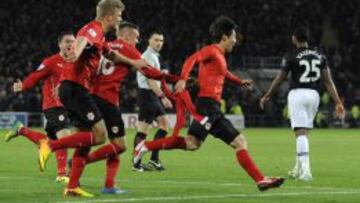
x=302 y=150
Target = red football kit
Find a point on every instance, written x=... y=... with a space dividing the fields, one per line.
x=86 y=66
x=49 y=71
x=106 y=84
x=212 y=71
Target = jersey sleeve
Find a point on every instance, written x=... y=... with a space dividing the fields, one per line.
x=324 y=62
x=43 y=71
x=198 y=57
x=90 y=33
x=285 y=63
x=130 y=52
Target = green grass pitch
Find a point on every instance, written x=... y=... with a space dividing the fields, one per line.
x=208 y=175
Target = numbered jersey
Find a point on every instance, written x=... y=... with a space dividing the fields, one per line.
x=305 y=66
x=107 y=82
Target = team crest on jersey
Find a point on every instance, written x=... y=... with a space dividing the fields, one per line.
x=90 y=116
x=42 y=66
x=115 y=129
x=61 y=117
x=92 y=33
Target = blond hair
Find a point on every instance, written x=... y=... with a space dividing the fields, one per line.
x=106 y=7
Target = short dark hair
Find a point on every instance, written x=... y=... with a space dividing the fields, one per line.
x=302 y=34
x=63 y=33
x=153 y=31
x=127 y=24
x=222 y=25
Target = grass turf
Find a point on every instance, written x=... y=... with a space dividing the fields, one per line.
x=210 y=174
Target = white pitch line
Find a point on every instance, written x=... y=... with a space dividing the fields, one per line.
x=197 y=197
x=224 y=184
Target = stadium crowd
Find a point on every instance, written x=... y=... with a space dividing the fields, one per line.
x=29 y=35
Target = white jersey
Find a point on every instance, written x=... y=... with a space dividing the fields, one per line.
x=303 y=105
x=152 y=58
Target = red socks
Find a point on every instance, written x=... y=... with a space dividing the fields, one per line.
x=104 y=152
x=32 y=135
x=77 y=167
x=249 y=166
x=61 y=158
x=112 y=166
x=172 y=142
x=76 y=140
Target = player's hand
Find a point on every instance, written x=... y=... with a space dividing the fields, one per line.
x=18 y=86
x=167 y=103
x=138 y=64
x=249 y=84
x=263 y=101
x=180 y=86
x=340 y=111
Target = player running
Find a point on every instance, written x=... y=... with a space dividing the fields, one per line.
x=307 y=66
x=106 y=91
x=56 y=115
x=74 y=89
x=212 y=74
x=152 y=103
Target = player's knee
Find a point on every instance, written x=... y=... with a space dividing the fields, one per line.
x=163 y=123
x=120 y=143
x=239 y=143
x=192 y=144
x=100 y=132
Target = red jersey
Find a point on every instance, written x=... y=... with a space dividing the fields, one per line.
x=85 y=67
x=212 y=71
x=110 y=76
x=49 y=71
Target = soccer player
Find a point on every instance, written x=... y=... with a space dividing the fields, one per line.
x=152 y=102
x=74 y=89
x=58 y=122
x=212 y=74
x=106 y=91
x=307 y=66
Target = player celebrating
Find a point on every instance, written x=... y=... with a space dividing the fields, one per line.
x=151 y=102
x=74 y=92
x=106 y=91
x=306 y=65
x=212 y=74
x=57 y=123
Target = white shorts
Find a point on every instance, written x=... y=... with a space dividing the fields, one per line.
x=303 y=105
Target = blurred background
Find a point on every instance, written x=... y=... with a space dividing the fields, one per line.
x=29 y=30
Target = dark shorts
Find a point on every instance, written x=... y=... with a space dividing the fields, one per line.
x=112 y=117
x=221 y=127
x=150 y=106
x=56 y=119
x=80 y=105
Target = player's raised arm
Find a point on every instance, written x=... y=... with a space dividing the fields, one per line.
x=330 y=87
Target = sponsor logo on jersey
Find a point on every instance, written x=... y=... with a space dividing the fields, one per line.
x=90 y=116
x=42 y=66
x=61 y=117
x=92 y=32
